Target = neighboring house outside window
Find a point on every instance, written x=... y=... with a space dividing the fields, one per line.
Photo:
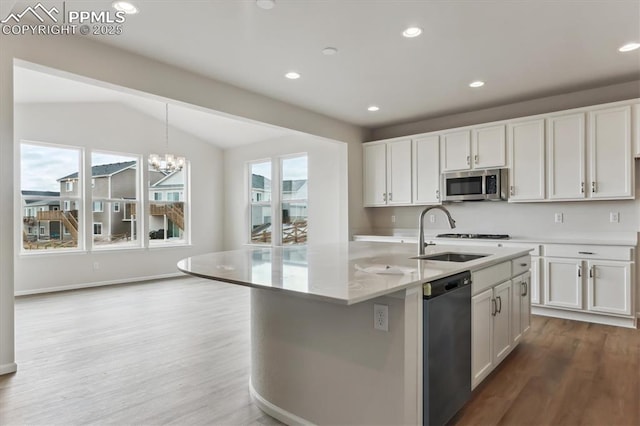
x=289 y=197
x=45 y=226
x=97 y=206
x=116 y=207
x=168 y=212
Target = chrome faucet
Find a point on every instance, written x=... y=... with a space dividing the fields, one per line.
x=452 y=224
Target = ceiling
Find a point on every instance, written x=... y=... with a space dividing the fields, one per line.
x=31 y=86
x=522 y=49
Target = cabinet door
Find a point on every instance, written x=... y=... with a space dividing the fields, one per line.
x=482 y=310
x=489 y=147
x=455 y=151
x=610 y=153
x=516 y=308
x=375 y=174
x=502 y=322
x=399 y=172
x=609 y=287
x=526 y=159
x=426 y=170
x=566 y=145
x=635 y=128
x=535 y=286
x=563 y=283
x=525 y=303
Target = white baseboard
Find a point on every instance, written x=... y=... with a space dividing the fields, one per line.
x=98 y=284
x=628 y=322
x=8 y=368
x=274 y=411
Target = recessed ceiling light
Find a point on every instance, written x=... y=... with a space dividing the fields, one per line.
x=329 y=51
x=125 y=6
x=373 y=108
x=629 y=47
x=412 y=32
x=266 y=4
x=292 y=75
x=476 y=84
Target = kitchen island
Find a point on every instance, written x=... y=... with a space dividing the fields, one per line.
x=316 y=357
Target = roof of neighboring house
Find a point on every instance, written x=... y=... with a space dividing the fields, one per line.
x=292 y=185
x=260 y=182
x=165 y=181
x=103 y=170
x=41 y=193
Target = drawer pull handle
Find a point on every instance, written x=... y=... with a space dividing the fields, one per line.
x=494 y=307
x=579 y=271
x=524 y=265
x=500 y=304
x=525 y=289
x=586 y=252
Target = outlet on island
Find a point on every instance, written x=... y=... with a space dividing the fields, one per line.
x=381 y=317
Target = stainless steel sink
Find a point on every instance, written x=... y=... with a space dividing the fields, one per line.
x=451 y=257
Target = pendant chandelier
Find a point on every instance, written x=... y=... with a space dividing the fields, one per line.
x=167 y=163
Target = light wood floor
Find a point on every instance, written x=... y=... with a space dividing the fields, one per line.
x=177 y=352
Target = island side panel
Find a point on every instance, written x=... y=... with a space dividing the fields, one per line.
x=325 y=363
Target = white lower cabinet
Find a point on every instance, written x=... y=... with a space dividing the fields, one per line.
x=520 y=306
x=596 y=285
x=535 y=286
x=500 y=312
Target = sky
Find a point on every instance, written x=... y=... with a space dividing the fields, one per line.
x=42 y=165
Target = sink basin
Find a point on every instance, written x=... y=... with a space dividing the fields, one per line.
x=451 y=257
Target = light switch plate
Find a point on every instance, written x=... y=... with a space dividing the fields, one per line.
x=614 y=217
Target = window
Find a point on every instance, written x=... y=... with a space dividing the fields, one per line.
x=294 y=200
x=260 y=181
x=289 y=198
x=115 y=178
x=168 y=215
x=47 y=171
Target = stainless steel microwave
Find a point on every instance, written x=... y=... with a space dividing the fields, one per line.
x=474 y=185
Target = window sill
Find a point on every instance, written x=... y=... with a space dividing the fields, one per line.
x=168 y=245
x=52 y=252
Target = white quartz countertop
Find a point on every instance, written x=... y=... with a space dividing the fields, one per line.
x=341 y=273
x=597 y=238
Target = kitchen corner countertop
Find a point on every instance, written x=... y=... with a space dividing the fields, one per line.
x=342 y=273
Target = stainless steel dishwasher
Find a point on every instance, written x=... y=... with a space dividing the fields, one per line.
x=446 y=347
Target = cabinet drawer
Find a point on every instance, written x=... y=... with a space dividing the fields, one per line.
x=589 y=252
x=488 y=277
x=520 y=265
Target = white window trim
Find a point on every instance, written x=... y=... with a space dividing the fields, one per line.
x=101 y=206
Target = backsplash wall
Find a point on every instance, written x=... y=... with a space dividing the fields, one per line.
x=516 y=219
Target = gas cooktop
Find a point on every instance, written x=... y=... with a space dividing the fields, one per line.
x=476 y=236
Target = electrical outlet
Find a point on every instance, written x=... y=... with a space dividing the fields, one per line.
x=432 y=218
x=393 y=219
x=381 y=317
x=614 y=217
x=96 y=266
x=559 y=217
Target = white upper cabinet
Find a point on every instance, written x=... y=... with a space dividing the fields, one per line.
x=399 y=172
x=387 y=173
x=375 y=174
x=566 y=147
x=489 y=147
x=455 y=151
x=426 y=170
x=526 y=160
x=611 y=162
x=479 y=148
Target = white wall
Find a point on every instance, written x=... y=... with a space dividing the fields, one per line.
x=327 y=168
x=115 y=127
